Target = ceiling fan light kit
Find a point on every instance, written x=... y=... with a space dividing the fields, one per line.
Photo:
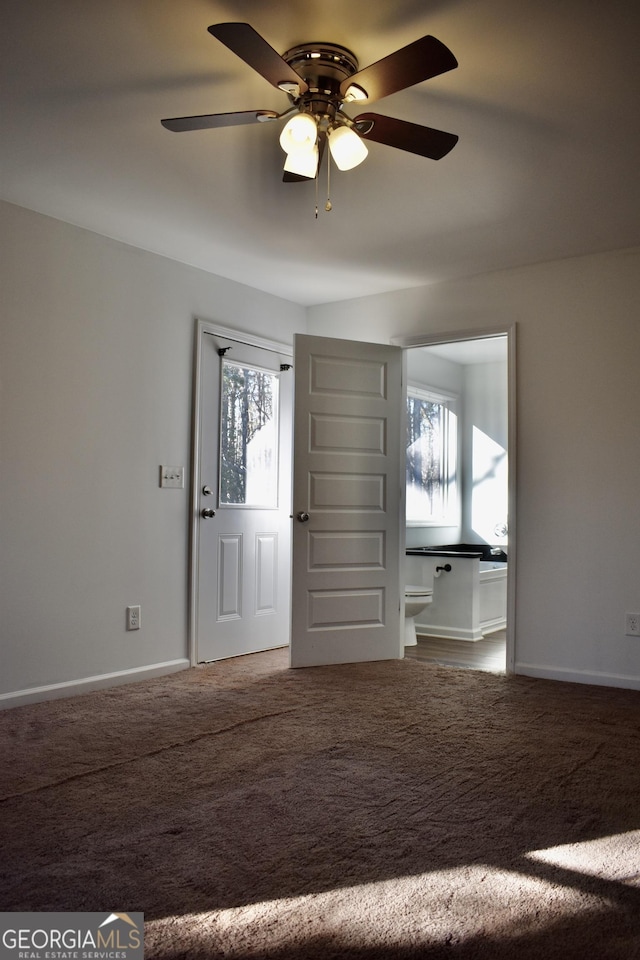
x=300 y=133
x=303 y=163
x=319 y=79
x=347 y=148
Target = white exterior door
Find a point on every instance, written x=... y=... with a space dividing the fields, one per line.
x=242 y=499
x=348 y=503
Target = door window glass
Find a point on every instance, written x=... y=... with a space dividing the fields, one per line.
x=248 y=436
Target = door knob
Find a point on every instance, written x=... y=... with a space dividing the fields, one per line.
x=208 y=513
x=303 y=516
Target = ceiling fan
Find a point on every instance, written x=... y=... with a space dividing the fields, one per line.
x=320 y=79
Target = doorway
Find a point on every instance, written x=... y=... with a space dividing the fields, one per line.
x=474 y=373
x=241 y=554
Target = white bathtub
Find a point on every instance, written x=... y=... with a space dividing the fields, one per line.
x=469 y=599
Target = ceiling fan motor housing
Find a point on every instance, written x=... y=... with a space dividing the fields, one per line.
x=323 y=67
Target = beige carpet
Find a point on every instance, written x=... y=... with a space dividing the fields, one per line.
x=367 y=811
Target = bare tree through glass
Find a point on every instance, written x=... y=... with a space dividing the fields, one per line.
x=248 y=436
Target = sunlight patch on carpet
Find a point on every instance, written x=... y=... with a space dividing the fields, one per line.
x=615 y=857
x=443 y=907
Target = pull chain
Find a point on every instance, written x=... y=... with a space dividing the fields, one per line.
x=328 y=205
x=317 y=178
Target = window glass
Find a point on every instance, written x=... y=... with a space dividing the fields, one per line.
x=431 y=457
x=248 y=436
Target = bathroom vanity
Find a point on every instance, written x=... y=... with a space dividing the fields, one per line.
x=469 y=584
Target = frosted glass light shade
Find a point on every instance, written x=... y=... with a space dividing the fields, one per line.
x=347 y=149
x=303 y=162
x=300 y=133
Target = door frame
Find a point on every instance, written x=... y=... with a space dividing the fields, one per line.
x=203 y=329
x=484 y=333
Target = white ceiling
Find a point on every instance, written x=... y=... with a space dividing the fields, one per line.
x=545 y=102
x=466 y=352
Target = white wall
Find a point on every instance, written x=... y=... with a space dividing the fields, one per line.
x=96 y=347
x=427 y=369
x=578 y=453
x=485 y=443
x=95 y=393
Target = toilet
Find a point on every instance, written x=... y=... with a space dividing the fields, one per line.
x=415 y=600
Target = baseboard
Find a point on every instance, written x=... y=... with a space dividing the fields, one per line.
x=447 y=633
x=577 y=676
x=492 y=626
x=74 y=688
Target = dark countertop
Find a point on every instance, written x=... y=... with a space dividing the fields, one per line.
x=434 y=552
x=480 y=551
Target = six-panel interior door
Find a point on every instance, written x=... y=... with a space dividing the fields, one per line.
x=348 y=498
x=244 y=500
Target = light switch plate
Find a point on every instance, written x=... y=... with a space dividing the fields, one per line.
x=172 y=477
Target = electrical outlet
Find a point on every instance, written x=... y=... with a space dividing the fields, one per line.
x=632 y=625
x=133 y=618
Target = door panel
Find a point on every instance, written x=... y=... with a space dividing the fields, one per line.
x=242 y=599
x=348 y=481
x=229 y=576
x=266 y=569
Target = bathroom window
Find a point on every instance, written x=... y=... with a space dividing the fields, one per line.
x=432 y=447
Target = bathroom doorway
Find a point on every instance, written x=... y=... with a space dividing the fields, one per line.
x=468 y=385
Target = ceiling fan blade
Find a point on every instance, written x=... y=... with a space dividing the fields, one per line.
x=210 y=120
x=288 y=177
x=412 y=137
x=247 y=44
x=420 y=60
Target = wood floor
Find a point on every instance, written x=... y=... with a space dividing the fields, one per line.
x=487 y=654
